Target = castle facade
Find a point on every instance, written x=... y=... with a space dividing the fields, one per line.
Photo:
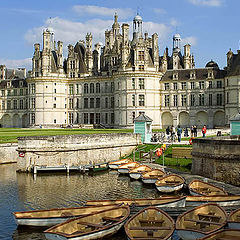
x=117 y=81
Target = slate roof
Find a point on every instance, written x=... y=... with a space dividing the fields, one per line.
x=236 y=118
x=14 y=83
x=201 y=74
x=235 y=65
x=143 y=118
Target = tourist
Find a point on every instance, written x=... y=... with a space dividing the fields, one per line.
x=195 y=130
x=179 y=133
x=168 y=130
x=192 y=131
x=186 y=132
x=204 y=130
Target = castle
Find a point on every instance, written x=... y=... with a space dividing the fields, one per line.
x=114 y=83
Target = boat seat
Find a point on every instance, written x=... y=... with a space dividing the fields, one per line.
x=150 y=221
x=209 y=216
x=96 y=225
x=146 y=228
x=77 y=232
x=66 y=214
x=205 y=222
x=172 y=181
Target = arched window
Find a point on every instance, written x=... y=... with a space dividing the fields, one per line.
x=91 y=87
x=85 y=88
x=97 y=87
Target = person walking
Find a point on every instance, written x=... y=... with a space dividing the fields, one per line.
x=179 y=133
x=186 y=132
x=204 y=130
x=195 y=130
x=192 y=131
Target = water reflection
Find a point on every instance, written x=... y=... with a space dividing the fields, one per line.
x=20 y=191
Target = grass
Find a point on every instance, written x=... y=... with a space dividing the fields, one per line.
x=10 y=135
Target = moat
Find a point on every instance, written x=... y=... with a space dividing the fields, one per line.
x=21 y=192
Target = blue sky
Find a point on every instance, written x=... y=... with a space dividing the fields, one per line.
x=210 y=26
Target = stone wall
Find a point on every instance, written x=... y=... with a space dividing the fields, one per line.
x=8 y=153
x=74 y=150
x=217 y=158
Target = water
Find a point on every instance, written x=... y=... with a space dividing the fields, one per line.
x=22 y=192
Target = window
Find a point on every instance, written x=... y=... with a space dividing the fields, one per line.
x=227 y=97
x=112 y=87
x=9 y=92
x=14 y=104
x=219 y=84
x=210 y=84
x=133 y=116
x=97 y=87
x=106 y=102
x=175 y=100
x=77 y=118
x=192 y=100
x=133 y=83
x=72 y=64
x=219 y=99
x=85 y=88
x=55 y=121
x=70 y=103
x=97 y=102
x=91 y=87
x=26 y=104
x=72 y=74
x=70 y=117
x=97 y=118
x=77 y=88
x=141 y=67
x=54 y=105
x=33 y=103
x=210 y=99
x=175 y=86
x=184 y=100
x=112 y=118
x=184 y=85
x=166 y=86
x=33 y=88
x=85 y=118
x=21 y=103
x=141 y=100
x=192 y=85
x=141 y=83
x=106 y=87
x=3 y=105
x=166 y=100
x=71 y=89
x=91 y=102
x=210 y=75
x=85 y=103
x=112 y=102
x=14 y=92
x=3 y=93
x=32 y=118
x=201 y=99
x=106 y=118
x=55 y=90
x=133 y=100
x=8 y=104
x=141 y=55
x=201 y=85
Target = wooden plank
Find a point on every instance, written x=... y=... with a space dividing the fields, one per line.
x=96 y=225
x=112 y=219
x=150 y=221
x=149 y=228
x=208 y=215
x=227 y=238
x=205 y=222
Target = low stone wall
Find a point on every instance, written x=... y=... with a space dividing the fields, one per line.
x=217 y=158
x=182 y=152
x=8 y=153
x=74 y=150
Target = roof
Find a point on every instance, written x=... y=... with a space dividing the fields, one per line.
x=201 y=74
x=236 y=118
x=143 y=118
x=212 y=64
x=234 y=66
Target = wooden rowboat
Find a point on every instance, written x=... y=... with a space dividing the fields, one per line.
x=233 y=200
x=116 y=164
x=234 y=219
x=126 y=167
x=200 y=221
x=198 y=187
x=170 y=183
x=92 y=226
x=172 y=201
x=152 y=176
x=150 y=223
x=224 y=234
x=50 y=217
x=137 y=172
x=99 y=167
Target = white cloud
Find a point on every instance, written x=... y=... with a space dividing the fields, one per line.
x=123 y=13
x=174 y=22
x=159 y=11
x=17 y=63
x=191 y=40
x=209 y=3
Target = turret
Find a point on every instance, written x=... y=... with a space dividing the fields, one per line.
x=115 y=26
x=60 y=56
x=155 y=50
x=176 y=43
x=137 y=28
x=89 y=57
x=229 y=59
x=187 y=57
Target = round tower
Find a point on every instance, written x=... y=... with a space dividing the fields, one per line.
x=176 y=43
x=137 y=27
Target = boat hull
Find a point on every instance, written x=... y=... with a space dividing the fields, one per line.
x=168 y=189
x=177 y=203
x=220 y=203
x=189 y=234
x=149 y=180
x=234 y=225
x=123 y=170
x=90 y=236
x=114 y=166
x=135 y=175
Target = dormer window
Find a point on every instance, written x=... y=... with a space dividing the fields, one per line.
x=21 y=83
x=175 y=76
x=8 y=84
x=192 y=75
x=210 y=74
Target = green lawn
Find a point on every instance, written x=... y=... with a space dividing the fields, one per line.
x=10 y=135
